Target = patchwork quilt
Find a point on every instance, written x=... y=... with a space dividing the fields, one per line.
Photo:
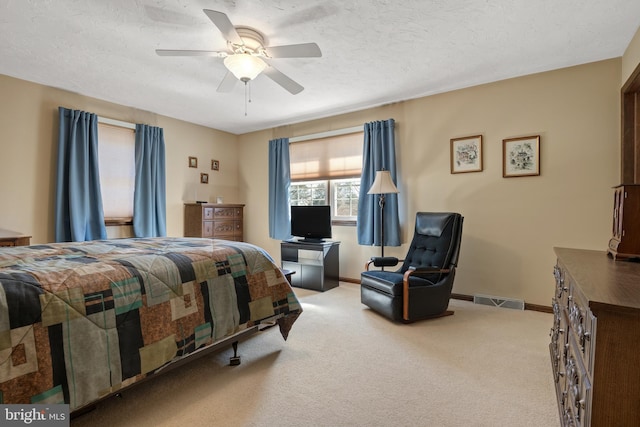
x=81 y=320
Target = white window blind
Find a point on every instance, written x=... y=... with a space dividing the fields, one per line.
x=327 y=158
x=116 y=152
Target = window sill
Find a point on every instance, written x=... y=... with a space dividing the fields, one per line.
x=344 y=222
x=113 y=222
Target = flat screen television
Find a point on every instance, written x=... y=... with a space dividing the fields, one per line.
x=311 y=223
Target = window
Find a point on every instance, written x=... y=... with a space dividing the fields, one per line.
x=116 y=156
x=327 y=171
x=345 y=197
x=306 y=193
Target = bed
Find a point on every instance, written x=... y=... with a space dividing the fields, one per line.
x=81 y=321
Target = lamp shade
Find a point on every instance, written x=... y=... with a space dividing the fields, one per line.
x=383 y=184
x=244 y=66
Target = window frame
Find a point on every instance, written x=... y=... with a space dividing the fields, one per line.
x=333 y=193
x=330 y=191
x=304 y=182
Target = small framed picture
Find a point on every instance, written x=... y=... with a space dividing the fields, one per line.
x=466 y=154
x=521 y=156
x=204 y=178
x=193 y=162
x=215 y=165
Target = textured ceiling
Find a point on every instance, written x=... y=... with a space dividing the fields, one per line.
x=374 y=52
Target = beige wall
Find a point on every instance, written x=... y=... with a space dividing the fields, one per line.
x=511 y=225
x=631 y=57
x=28 y=144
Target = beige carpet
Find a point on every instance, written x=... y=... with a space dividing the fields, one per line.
x=343 y=365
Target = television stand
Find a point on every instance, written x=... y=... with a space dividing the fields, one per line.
x=316 y=264
x=310 y=240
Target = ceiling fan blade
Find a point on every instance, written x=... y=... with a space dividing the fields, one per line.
x=225 y=26
x=169 y=52
x=227 y=83
x=283 y=80
x=303 y=50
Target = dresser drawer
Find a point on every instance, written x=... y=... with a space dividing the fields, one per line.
x=207 y=229
x=578 y=388
x=582 y=322
x=225 y=228
x=208 y=213
x=562 y=287
x=228 y=213
x=558 y=346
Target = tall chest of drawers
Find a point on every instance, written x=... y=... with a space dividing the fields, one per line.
x=217 y=221
x=595 y=339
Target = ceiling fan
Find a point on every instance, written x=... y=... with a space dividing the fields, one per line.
x=248 y=56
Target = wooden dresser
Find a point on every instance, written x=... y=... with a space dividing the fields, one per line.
x=218 y=221
x=12 y=238
x=595 y=339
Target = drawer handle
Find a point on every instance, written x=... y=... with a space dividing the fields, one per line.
x=584 y=337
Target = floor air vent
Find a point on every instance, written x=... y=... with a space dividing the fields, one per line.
x=499 y=302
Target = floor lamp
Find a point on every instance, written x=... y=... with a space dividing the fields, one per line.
x=382 y=184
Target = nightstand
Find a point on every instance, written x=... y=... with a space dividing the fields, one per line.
x=13 y=238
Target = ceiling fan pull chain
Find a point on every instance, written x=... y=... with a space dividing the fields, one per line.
x=247 y=99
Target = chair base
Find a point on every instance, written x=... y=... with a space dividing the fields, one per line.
x=386 y=305
x=435 y=316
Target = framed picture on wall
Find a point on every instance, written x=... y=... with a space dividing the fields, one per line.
x=521 y=156
x=204 y=178
x=215 y=165
x=466 y=154
x=193 y=162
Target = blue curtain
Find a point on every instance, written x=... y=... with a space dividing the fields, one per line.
x=378 y=153
x=279 y=183
x=78 y=206
x=149 y=195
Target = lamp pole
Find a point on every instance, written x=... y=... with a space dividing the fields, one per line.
x=382 y=184
x=381 y=202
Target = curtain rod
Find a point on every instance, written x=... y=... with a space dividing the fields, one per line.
x=327 y=134
x=114 y=122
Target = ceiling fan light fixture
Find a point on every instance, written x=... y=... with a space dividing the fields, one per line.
x=244 y=66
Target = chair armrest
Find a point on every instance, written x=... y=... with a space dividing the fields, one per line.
x=378 y=261
x=430 y=270
x=422 y=270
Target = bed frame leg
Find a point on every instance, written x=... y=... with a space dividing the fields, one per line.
x=235 y=359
